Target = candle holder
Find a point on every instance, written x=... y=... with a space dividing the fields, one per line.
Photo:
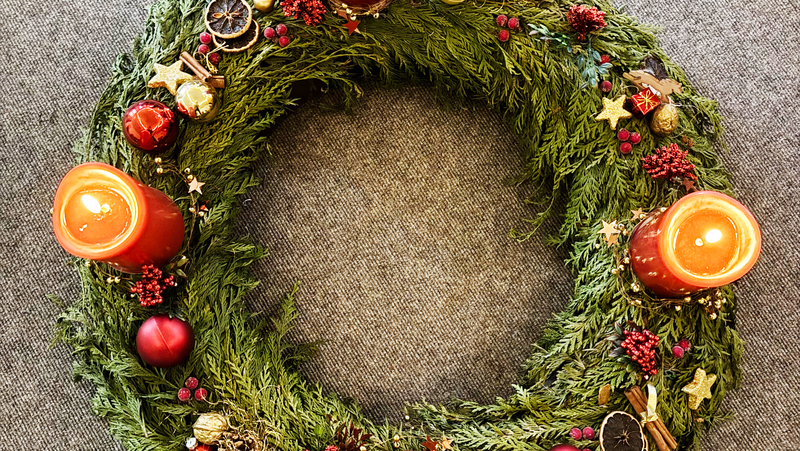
x=101 y=213
x=704 y=240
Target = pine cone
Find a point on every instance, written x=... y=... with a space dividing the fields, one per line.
x=234 y=441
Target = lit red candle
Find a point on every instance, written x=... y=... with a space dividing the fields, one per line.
x=101 y=213
x=706 y=239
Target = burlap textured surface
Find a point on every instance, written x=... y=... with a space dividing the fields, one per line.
x=396 y=220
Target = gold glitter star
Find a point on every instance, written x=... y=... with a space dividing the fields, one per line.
x=636 y=213
x=446 y=444
x=169 y=77
x=699 y=388
x=195 y=185
x=613 y=111
x=610 y=231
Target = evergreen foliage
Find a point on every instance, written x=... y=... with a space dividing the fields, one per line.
x=248 y=367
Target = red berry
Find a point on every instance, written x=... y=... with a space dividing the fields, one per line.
x=623 y=135
x=588 y=433
x=576 y=434
x=677 y=352
x=502 y=20
x=203 y=49
x=606 y=86
x=270 y=33
x=214 y=58
x=281 y=29
x=503 y=35
x=625 y=148
x=283 y=41
x=191 y=383
x=205 y=38
x=685 y=344
x=513 y=23
x=184 y=394
x=636 y=138
x=201 y=394
x=605 y=59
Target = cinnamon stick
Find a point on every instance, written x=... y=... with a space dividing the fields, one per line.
x=217 y=81
x=198 y=69
x=651 y=427
x=659 y=423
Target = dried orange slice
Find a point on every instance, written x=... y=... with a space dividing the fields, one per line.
x=228 y=19
x=240 y=44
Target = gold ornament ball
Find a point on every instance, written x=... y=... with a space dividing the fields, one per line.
x=265 y=6
x=198 y=101
x=209 y=427
x=665 y=120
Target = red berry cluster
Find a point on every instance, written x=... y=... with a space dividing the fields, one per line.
x=311 y=11
x=668 y=163
x=278 y=34
x=185 y=393
x=628 y=140
x=585 y=19
x=641 y=348
x=203 y=49
x=513 y=25
x=151 y=286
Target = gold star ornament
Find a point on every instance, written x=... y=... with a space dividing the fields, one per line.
x=637 y=214
x=196 y=185
x=169 y=77
x=610 y=231
x=613 y=111
x=700 y=388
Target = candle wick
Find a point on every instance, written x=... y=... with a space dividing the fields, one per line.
x=698 y=242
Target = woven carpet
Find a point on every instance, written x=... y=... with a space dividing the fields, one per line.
x=396 y=219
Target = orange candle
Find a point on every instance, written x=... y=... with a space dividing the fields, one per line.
x=102 y=214
x=706 y=239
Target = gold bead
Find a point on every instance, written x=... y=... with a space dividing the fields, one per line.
x=635 y=287
x=363 y=448
x=687 y=299
x=626 y=260
x=396 y=444
x=158 y=160
x=597 y=245
x=713 y=316
x=397 y=438
x=377 y=15
x=642 y=216
x=159 y=170
x=87 y=263
x=677 y=308
x=662 y=209
x=109 y=280
x=624 y=233
x=407 y=417
x=116 y=279
x=187 y=170
x=190 y=177
x=201 y=214
x=192 y=210
x=621 y=268
x=614 y=271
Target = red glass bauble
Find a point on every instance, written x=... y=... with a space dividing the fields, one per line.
x=164 y=342
x=564 y=447
x=150 y=126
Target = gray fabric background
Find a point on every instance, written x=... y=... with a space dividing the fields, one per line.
x=397 y=224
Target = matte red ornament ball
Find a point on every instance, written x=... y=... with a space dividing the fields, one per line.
x=203 y=49
x=205 y=38
x=564 y=447
x=502 y=20
x=283 y=41
x=576 y=433
x=191 y=383
x=281 y=29
x=150 y=126
x=623 y=135
x=678 y=352
x=164 y=342
x=201 y=394
x=513 y=23
x=215 y=58
x=270 y=33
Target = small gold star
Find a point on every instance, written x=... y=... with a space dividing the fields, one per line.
x=613 y=111
x=700 y=388
x=446 y=444
x=610 y=231
x=169 y=77
x=636 y=213
x=195 y=185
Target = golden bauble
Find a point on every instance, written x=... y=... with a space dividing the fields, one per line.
x=209 y=427
x=264 y=6
x=198 y=101
x=665 y=120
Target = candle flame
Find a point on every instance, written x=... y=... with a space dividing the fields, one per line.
x=91 y=203
x=713 y=236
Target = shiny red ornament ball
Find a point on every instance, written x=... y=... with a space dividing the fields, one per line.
x=564 y=447
x=164 y=342
x=150 y=126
